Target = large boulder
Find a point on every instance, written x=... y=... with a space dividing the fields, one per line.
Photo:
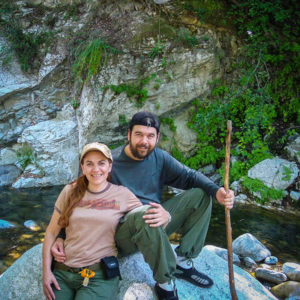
x=275 y=173
x=55 y=145
x=247 y=245
x=137 y=280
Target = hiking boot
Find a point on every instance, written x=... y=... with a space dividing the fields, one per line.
x=193 y=276
x=165 y=295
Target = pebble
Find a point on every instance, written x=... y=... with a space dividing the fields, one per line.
x=271 y=260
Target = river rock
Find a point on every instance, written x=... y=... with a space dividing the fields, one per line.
x=287 y=290
x=8 y=174
x=271 y=260
x=5 y=224
x=30 y=224
x=292 y=270
x=249 y=262
x=223 y=253
x=137 y=280
x=275 y=173
x=247 y=245
x=270 y=275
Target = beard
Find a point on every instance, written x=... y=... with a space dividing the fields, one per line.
x=139 y=152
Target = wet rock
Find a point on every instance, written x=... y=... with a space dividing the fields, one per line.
x=289 y=289
x=30 y=224
x=270 y=275
x=247 y=245
x=5 y=224
x=292 y=270
x=275 y=173
x=271 y=260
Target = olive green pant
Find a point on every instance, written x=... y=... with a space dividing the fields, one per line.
x=190 y=213
x=71 y=287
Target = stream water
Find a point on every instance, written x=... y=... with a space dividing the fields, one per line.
x=279 y=232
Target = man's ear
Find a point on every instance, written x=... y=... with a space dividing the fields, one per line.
x=158 y=136
x=128 y=134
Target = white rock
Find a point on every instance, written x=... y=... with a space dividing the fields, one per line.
x=275 y=173
x=292 y=270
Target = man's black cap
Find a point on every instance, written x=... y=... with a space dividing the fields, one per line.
x=145 y=118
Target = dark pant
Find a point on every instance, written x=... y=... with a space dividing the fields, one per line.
x=98 y=288
x=190 y=213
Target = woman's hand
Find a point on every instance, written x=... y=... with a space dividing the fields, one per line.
x=48 y=280
x=157 y=216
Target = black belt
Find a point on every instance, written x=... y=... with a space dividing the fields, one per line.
x=94 y=267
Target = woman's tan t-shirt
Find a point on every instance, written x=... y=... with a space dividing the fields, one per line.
x=92 y=225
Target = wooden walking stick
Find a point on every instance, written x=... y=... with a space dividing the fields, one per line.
x=227 y=215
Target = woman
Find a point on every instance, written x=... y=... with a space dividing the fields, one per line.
x=89 y=209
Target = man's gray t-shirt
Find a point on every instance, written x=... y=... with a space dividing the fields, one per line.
x=146 y=178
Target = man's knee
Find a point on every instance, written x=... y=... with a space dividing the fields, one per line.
x=197 y=197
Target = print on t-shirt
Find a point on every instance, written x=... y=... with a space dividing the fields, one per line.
x=100 y=204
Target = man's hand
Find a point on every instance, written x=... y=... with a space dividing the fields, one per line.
x=157 y=215
x=49 y=279
x=58 y=250
x=226 y=199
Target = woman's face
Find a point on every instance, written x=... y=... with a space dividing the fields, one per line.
x=96 y=167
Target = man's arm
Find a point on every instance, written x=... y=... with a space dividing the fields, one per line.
x=180 y=176
x=57 y=249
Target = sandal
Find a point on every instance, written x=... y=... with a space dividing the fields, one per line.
x=193 y=276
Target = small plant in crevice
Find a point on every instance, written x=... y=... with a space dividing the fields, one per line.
x=157 y=50
x=170 y=122
x=26 y=156
x=133 y=91
x=122 y=120
x=75 y=104
x=90 y=58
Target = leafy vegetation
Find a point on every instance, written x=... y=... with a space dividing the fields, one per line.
x=25 y=45
x=262 y=99
x=256 y=187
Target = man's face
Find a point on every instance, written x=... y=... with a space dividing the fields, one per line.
x=142 y=140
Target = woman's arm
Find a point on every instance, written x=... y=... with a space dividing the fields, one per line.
x=48 y=277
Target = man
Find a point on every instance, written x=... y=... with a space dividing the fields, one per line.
x=145 y=169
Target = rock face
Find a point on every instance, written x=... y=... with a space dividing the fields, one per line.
x=275 y=173
x=29 y=100
x=137 y=280
x=247 y=245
